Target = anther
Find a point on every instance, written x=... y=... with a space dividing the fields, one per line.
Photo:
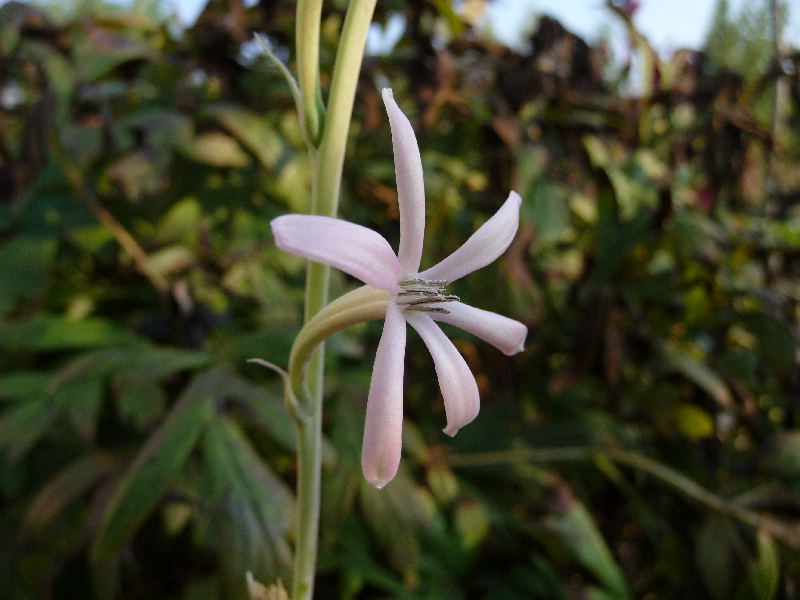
x=419 y=294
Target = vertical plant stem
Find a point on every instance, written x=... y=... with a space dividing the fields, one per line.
x=326 y=164
x=307 y=24
x=781 y=81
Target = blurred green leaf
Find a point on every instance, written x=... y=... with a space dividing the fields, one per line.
x=23 y=384
x=217 y=149
x=472 y=522
x=776 y=344
x=715 y=556
x=26 y=263
x=574 y=526
x=81 y=398
x=782 y=455
x=255 y=507
x=48 y=333
x=70 y=483
x=141 y=403
x=252 y=130
x=697 y=372
x=149 y=475
x=24 y=424
x=102 y=49
x=761 y=581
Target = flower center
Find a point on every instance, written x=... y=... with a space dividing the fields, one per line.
x=420 y=294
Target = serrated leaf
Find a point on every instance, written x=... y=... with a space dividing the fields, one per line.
x=149 y=475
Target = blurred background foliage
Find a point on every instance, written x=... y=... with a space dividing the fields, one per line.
x=645 y=445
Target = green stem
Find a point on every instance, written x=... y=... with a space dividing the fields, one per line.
x=326 y=163
x=340 y=103
x=309 y=15
x=686 y=486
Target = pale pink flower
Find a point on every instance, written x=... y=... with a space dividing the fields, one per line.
x=418 y=298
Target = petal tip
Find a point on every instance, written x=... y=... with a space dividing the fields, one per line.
x=387 y=94
x=378 y=484
x=516 y=348
x=450 y=431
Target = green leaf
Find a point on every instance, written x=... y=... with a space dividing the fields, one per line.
x=141 y=404
x=254 y=506
x=25 y=266
x=22 y=426
x=49 y=332
x=396 y=515
x=577 y=530
x=150 y=474
x=782 y=456
x=81 y=398
x=23 y=384
x=697 y=372
x=776 y=345
x=761 y=582
x=217 y=149
x=251 y=129
x=70 y=483
x=472 y=523
x=102 y=49
x=715 y=556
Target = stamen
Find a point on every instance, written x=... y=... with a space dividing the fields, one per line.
x=418 y=294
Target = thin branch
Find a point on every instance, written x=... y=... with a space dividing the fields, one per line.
x=291 y=81
x=123 y=237
x=789 y=534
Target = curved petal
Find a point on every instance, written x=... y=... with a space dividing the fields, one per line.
x=483 y=247
x=507 y=335
x=410 y=187
x=351 y=248
x=459 y=389
x=383 y=427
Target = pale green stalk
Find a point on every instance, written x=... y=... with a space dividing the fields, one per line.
x=326 y=163
x=678 y=481
x=307 y=24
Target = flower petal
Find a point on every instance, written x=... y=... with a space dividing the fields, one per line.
x=483 y=247
x=503 y=333
x=459 y=389
x=351 y=248
x=410 y=186
x=383 y=428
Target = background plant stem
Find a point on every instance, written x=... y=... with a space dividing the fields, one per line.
x=327 y=162
x=663 y=473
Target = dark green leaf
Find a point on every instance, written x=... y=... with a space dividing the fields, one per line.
x=149 y=476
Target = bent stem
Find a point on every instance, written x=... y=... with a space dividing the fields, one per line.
x=678 y=481
x=326 y=165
